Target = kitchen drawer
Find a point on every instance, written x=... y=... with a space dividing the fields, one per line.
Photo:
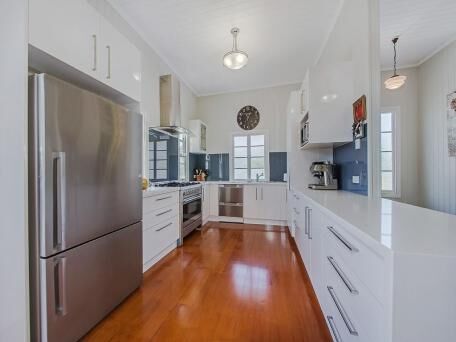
x=363 y=309
x=160 y=215
x=160 y=201
x=159 y=237
x=368 y=266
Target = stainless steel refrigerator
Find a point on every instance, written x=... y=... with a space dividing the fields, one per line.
x=85 y=207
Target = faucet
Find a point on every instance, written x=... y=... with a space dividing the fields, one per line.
x=258 y=176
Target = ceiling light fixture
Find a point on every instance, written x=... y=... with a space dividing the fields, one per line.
x=235 y=59
x=396 y=81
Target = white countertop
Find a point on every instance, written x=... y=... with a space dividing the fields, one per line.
x=399 y=227
x=245 y=182
x=153 y=191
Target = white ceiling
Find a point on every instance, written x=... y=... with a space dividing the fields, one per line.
x=424 y=27
x=282 y=38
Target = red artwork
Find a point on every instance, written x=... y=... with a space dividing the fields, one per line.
x=359 y=109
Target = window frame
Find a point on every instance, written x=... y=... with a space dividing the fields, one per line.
x=266 y=154
x=396 y=151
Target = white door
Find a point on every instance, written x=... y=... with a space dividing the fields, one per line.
x=272 y=202
x=214 y=199
x=251 y=201
x=316 y=251
x=120 y=62
x=206 y=202
x=67 y=30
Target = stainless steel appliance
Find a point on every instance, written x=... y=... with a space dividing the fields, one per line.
x=304 y=131
x=324 y=171
x=191 y=216
x=231 y=200
x=85 y=208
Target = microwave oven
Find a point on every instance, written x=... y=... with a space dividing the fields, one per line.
x=304 y=131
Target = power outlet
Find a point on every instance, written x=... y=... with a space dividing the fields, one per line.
x=355 y=179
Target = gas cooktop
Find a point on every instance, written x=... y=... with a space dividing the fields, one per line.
x=176 y=184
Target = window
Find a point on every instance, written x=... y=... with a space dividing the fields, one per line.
x=158 y=157
x=389 y=159
x=249 y=157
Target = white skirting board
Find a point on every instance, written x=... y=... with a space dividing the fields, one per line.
x=159 y=256
x=246 y=221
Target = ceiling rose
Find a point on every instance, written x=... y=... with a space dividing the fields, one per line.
x=235 y=59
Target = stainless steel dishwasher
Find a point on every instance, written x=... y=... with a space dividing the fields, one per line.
x=231 y=200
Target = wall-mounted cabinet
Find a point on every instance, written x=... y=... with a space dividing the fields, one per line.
x=75 y=33
x=328 y=114
x=198 y=142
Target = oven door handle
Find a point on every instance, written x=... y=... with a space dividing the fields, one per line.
x=191 y=199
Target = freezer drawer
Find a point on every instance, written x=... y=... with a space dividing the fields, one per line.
x=230 y=193
x=82 y=285
x=231 y=210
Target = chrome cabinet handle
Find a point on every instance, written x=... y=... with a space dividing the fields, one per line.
x=347 y=244
x=59 y=199
x=94 y=37
x=256 y=194
x=162 y=199
x=306 y=221
x=342 y=312
x=165 y=212
x=108 y=76
x=343 y=276
x=262 y=194
x=334 y=330
x=60 y=286
x=309 y=223
x=159 y=229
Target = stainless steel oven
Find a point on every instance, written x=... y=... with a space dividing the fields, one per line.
x=191 y=216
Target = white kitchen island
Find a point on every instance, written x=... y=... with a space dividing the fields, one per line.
x=382 y=270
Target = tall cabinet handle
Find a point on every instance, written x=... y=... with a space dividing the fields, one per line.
x=94 y=37
x=262 y=198
x=108 y=76
x=309 y=222
x=60 y=286
x=306 y=221
x=59 y=199
x=256 y=194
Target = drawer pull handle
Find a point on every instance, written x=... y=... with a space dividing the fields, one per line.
x=159 y=229
x=165 y=212
x=163 y=198
x=332 y=324
x=342 y=312
x=347 y=244
x=342 y=276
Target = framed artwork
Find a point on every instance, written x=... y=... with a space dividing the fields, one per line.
x=359 y=116
x=451 y=121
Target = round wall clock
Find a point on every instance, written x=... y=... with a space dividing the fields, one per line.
x=248 y=118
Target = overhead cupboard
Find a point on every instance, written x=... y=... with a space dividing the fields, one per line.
x=75 y=33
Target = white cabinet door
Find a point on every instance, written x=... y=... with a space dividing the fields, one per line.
x=214 y=199
x=206 y=202
x=120 y=65
x=272 y=202
x=316 y=250
x=67 y=30
x=251 y=202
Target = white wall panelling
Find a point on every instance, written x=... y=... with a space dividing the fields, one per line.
x=14 y=308
x=437 y=78
x=219 y=113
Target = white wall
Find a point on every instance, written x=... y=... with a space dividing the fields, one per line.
x=14 y=325
x=219 y=112
x=406 y=98
x=438 y=171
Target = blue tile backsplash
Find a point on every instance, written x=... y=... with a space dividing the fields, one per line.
x=277 y=166
x=351 y=162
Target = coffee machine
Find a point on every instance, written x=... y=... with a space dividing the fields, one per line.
x=324 y=171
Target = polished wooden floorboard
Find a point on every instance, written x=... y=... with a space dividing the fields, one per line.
x=228 y=282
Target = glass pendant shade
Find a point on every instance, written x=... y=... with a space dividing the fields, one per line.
x=395 y=82
x=235 y=59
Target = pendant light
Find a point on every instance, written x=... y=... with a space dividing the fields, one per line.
x=235 y=59
x=396 y=81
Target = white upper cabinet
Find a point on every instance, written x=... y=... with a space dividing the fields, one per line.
x=67 y=30
x=198 y=142
x=77 y=34
x=120 y=61
x=328 y=102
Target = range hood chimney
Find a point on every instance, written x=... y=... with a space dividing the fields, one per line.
x=170 y=107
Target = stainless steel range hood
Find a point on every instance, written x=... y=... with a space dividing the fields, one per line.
x=170 y=107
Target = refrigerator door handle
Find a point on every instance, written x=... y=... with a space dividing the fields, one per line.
x=59 y=200
x=60 y=286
